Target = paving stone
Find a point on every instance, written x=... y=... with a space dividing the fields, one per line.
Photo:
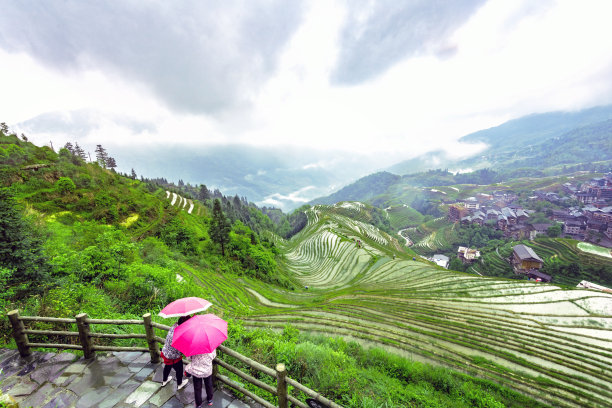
x=120 y=394
x=94 y=396
x=64 y=380
x=163 y=395
x=100 y=373
x=127 y=356
x=145 y=372
x=220 y=399
x=114 y=379
x=8 y=383
x=142 y=393
x=174 y=403
x=186 y=394
x=159 y=373
x=117 y=380
x=77 y=367
x=42 y=394
x=51 y=369
x=63 y=399
x=237 y=404
x=23 y=387
x=11 y=365
x=140 y=362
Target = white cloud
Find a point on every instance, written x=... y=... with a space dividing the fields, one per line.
x=280 y=200
x=509 y=59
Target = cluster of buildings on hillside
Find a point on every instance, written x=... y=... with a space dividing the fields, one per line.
x=524 y=261
x=592 y=222
x=508 y=217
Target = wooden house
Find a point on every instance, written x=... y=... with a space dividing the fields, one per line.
x=524 y=259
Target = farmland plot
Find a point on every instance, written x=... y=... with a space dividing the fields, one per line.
x=547 y=342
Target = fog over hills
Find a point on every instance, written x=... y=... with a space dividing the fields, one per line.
x=287 y=177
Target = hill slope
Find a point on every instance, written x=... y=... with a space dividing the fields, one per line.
x=512 y=142
x=547 y=342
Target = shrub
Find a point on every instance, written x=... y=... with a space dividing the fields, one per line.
x=65 y=185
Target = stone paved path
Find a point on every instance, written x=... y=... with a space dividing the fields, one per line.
x=117 y=379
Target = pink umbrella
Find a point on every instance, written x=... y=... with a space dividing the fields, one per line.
x=200 y=334
x=185 y=307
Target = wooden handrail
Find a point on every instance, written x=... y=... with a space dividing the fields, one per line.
x=85 y=335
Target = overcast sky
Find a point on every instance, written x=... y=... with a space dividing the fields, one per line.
x=394 y=77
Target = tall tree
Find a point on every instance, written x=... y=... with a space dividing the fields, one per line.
x=101 y=156
x=21 y=249
x=68 y=146
x=133 y=175
x=203 y=194
x=220 y=227
x=111 y=163
x=79 y=152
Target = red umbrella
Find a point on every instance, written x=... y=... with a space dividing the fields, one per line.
x=185 y=307
x=200 y=334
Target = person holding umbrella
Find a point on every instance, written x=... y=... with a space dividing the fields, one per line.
x=173 y=358
x=182 y=308
x=201 y=368
x=199 y=338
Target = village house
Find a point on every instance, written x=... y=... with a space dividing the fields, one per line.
x=441 y=260
x=541 y=228
x=471 y=203
x=574 y=228
x=492 y=214
x=539 y=276
x=521 y=216
x=456 y=212
x=525 y=260
x=520 y=231
x=467 y=255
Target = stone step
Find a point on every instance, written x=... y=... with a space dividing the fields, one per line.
x=111 y=380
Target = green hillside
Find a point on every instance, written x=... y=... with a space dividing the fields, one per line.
x=567 y=264
x=513 y=143
x=349 y=310
x=547 y=342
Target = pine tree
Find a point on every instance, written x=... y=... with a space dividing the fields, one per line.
x=203 y=194
x=101 y=156
x=111 y=163
x=21 y=250
x=219 y=227
x=133 y=175
x=79 y=152
x=68 y=146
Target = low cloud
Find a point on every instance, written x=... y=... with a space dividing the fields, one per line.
x=280 y=200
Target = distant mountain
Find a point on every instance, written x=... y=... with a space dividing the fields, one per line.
x=537 y=128
x=363 y=189
x=279 y=177
x=510 y=142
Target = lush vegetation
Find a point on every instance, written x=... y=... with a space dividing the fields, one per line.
x=113 y=246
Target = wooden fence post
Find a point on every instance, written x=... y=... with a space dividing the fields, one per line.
x=281 y=385
x=20 y=337
x=83 y=326
x=151 y=338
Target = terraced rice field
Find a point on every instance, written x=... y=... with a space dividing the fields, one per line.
x=595 y=249
x=550 y=343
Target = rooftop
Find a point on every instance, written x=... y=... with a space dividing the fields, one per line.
x=524 y=252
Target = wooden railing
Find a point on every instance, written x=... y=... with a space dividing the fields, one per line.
x=85 y=339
